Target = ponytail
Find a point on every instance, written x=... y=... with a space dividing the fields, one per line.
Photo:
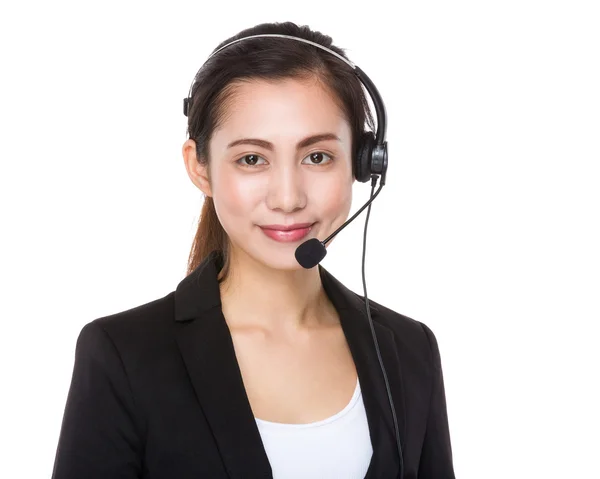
x=210 y=236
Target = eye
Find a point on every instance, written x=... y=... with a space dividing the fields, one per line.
x=251 y=160
x=317 y=158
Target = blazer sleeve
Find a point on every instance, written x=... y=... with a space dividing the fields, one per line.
x=99 y=436
x=436 y=455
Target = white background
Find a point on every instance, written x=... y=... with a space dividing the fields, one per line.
x=487 y=230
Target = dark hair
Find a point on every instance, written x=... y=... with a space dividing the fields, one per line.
x=266 y=58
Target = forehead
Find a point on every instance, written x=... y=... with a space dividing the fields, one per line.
x=286 y=109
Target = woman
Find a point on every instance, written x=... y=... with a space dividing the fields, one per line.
x=255 y=366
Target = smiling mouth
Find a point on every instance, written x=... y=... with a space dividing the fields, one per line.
x=287 y=235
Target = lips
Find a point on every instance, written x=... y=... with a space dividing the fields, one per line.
x=286 y=234
x=297 y=226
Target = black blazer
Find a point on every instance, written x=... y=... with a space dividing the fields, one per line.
x=157 y=391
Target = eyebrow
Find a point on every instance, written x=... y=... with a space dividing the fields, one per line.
x=310 y=140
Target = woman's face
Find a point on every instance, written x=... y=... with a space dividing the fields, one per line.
x=282 y=156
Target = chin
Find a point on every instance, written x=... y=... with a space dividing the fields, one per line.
x=272 y=254
x=282 y=258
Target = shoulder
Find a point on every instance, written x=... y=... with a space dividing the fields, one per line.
x=130 y=331
x=410 y=334
x=153 y=314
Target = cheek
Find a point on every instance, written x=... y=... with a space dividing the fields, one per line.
x=234 y=198
x=334 y=200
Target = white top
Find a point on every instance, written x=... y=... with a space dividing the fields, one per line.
x=336 y=447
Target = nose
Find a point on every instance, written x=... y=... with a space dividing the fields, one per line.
x=286 y=191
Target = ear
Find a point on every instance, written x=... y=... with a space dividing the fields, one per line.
x=198 y=173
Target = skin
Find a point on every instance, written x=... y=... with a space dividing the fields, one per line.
x=292 y=352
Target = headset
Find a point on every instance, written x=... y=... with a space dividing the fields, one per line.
x=370 y=161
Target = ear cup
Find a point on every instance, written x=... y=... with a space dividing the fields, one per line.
x=362 y=162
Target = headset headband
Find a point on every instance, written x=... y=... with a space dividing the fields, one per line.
x=362 y=76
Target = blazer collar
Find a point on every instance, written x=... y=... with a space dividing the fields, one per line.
x=207 y=349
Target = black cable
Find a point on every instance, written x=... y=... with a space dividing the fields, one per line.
x=387 y=384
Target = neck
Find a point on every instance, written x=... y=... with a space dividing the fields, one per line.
x=254 y=295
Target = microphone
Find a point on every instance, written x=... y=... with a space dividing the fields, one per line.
x=310 y=253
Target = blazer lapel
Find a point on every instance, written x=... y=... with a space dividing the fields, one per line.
x=354 y=320
x=209 y=356
x=207 y=349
